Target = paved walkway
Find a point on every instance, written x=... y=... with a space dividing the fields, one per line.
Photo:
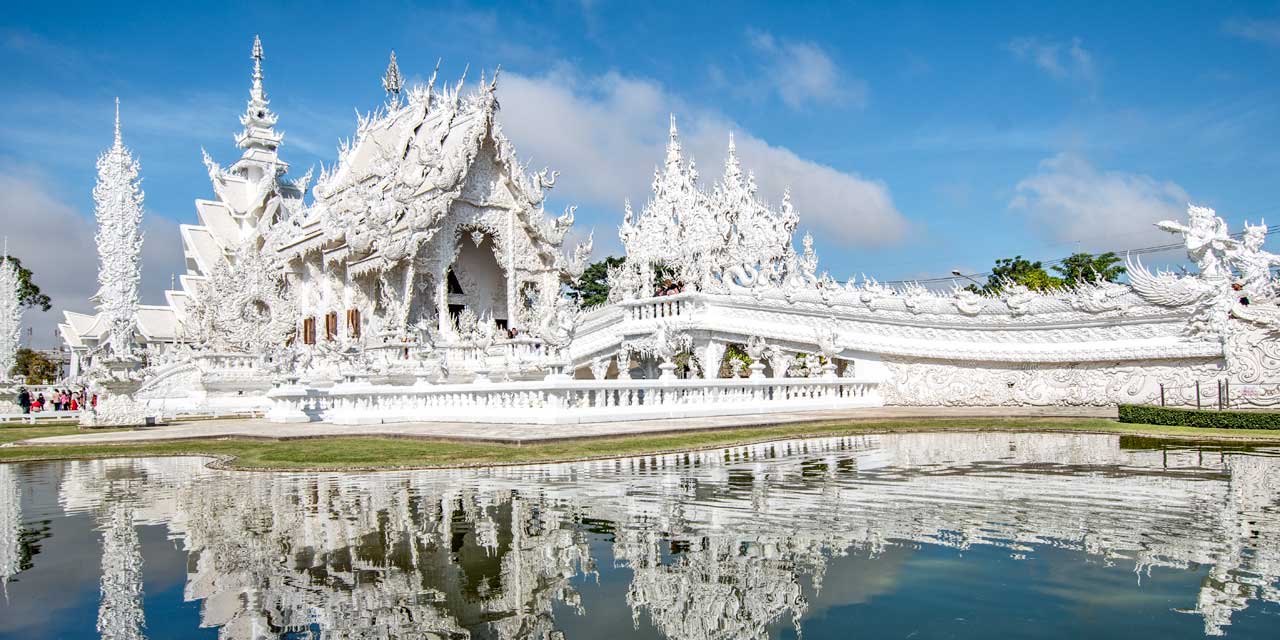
x=519 y=433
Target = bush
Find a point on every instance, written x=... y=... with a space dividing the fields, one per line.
x=1146 y=414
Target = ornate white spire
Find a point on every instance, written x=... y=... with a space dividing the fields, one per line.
x=256 y=92
x=732 y=168
x=10 y=314
x=10 y=526
x=118 y=141
x=673 y=145
x=392 y=81
x=117 y=202
x=120 y=612
x=259 y=139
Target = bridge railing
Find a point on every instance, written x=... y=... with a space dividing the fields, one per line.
x=565 y=401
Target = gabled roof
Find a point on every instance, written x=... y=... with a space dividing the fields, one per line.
x=216 y=218
x=83 y=324
x=70 y=336
x=157 y=322
x=198 y=244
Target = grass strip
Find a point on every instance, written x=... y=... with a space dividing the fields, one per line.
x=377 y=453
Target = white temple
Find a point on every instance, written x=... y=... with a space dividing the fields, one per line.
x=423 y=281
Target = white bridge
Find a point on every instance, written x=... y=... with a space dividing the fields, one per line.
x=564 y=401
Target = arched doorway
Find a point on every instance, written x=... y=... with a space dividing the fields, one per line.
x=476 y=280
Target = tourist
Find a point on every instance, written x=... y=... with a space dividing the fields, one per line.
x=24 y=400
x=75 y=403
x=39 y=403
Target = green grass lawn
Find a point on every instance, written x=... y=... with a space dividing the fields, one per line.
x=387 y=453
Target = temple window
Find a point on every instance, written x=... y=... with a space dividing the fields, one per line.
x=309 y=331
x=331 y=325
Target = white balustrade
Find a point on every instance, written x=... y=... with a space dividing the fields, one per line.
x=228 y=362
x=565 y=401
x=658 y=308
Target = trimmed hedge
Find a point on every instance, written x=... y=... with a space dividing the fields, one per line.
x=1148 y=414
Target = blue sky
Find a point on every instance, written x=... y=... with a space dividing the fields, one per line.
x=917 y=137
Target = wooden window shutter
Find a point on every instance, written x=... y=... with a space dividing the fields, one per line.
x=331 y=325
x=309 y=331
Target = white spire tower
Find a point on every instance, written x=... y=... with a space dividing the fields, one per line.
x=10 y=314
x=393 y=82
x=117 y=203
x=673 y=145
x=259 y=139
x=120 y=613
x=10 y=526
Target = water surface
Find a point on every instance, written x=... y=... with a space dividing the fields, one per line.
x=908 y=535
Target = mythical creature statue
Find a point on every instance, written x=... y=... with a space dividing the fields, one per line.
x=1253 y=264
x=1206 y=238
x=1234 y=277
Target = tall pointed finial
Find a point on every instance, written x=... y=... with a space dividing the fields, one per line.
x=673 y=144
x=119 y=140
x=732 y=169
x=392 y=81
x=256 y=92
x=431 y=84
x=259 y=139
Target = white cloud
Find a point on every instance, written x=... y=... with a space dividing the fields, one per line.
x=1071 y=201
x=1264 y=31
x=55 y=241
x=606 y=134
x=1061 y=61
x=802 y=73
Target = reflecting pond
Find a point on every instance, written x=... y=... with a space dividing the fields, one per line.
x=907 y=535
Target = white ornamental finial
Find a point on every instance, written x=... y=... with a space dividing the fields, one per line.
x=392 y=81
x=119 y=141
x=257 y=67
x=259 y=138
x=673 y=144
x=732 y=168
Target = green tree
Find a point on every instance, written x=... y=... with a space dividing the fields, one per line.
x=29 y=294
x=32 y=366
x=593 y=287
x=1020 y=271
x=1081 y=268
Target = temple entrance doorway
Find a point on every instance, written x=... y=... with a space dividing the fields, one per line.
x=475 y=280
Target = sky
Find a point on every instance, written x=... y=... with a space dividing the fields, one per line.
x=916 y=138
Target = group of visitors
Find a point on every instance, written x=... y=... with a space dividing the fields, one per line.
x=58 y=400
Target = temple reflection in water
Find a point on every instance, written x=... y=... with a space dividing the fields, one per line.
x=718 y=544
